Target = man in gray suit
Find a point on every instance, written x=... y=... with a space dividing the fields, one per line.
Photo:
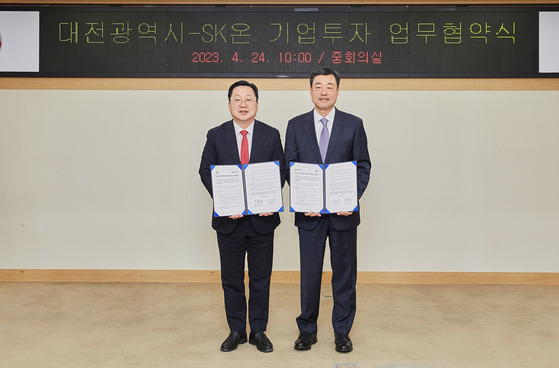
x=327 y=135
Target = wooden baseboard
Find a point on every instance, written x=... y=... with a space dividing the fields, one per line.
x=420 y=278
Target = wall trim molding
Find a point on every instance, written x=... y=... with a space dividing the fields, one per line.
x=356 y=84
x=203 y=276
x=283 y=2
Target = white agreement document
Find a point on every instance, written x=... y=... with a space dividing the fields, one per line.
x=263 y=187
x=341 y=187
x=228 y=191
x=246 y=189
x=306 y=187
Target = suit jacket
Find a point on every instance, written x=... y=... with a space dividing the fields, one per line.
x=221 y=149
x=348 y=142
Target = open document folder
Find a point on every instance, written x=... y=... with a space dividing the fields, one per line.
x=320 y=188
x=246 y=189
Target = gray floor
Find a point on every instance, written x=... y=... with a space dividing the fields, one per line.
x=182 y=325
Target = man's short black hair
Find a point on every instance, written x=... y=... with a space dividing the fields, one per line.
x=325 y=70
x=242 y=83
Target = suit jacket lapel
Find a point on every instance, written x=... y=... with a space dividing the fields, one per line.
x=231 y=143
x=310 y=132
x=257 y=141
x=337 y=130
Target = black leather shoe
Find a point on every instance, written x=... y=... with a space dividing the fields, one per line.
x=261 y=341
x=233 y=340
x=305 y=341
x=343 y=343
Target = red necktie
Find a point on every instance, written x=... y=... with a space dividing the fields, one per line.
x=244 y=148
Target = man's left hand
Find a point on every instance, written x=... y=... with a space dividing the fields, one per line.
x=345 y=213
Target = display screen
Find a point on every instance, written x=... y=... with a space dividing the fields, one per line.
x=274 y=41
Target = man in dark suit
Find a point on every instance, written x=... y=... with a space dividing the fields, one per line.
x=232 y=143
x=327 y=135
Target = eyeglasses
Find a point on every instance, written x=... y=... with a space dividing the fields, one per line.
x=249 y=101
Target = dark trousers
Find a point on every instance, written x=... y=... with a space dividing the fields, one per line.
x=258 y=249
x=343 y=259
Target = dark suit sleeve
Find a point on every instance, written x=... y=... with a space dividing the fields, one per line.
x=361 y=155
x=291 y=151
x=209 y=157
x=279 y=156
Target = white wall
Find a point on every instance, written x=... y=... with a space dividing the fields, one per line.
x=461 y=181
